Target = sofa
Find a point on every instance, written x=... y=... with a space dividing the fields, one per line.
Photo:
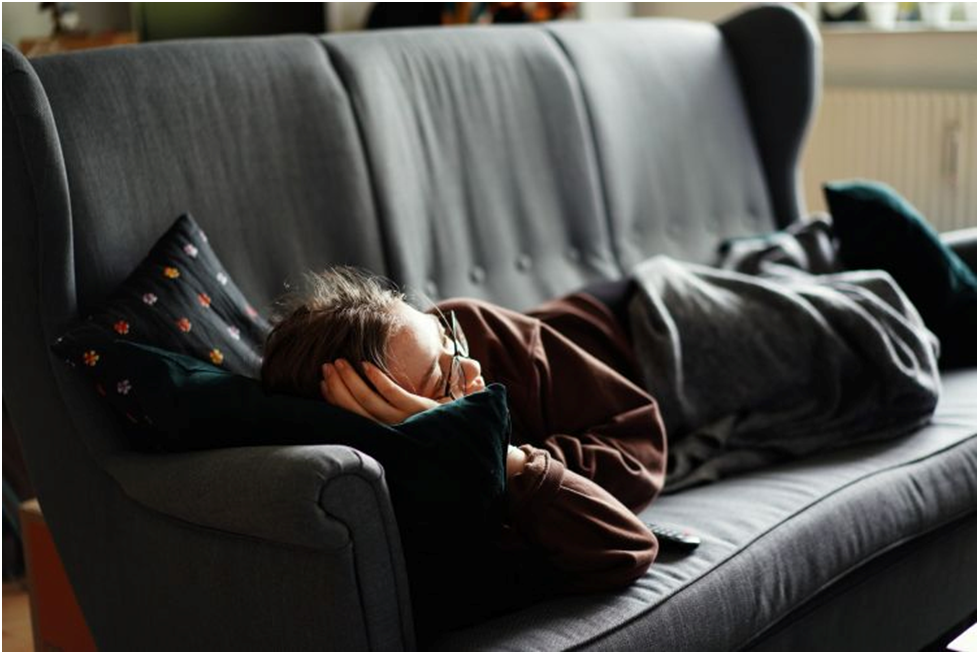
x=505 y=163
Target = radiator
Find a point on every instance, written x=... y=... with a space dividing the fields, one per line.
x=921 y=142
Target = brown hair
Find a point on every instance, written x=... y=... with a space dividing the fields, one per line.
x=341 y=313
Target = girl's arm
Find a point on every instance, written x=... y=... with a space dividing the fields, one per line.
x=590 y=538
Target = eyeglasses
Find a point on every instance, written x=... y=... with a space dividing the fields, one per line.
x=455 y=381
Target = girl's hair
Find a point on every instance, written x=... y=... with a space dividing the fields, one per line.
x=340 y=313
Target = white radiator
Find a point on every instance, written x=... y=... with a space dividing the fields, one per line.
x=921 y=142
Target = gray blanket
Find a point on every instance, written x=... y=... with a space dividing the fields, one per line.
x=751 y=369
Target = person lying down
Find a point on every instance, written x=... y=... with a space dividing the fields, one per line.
x=590 y=444
x=742 y=371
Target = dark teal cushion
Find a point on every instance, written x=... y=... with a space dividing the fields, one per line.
x=445 y=468
x=879 y=229
x=447 y=459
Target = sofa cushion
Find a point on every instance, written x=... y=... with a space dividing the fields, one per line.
x=772 y=540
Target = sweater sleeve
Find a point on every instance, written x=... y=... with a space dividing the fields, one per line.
x=592 y=540
x=599 y=424
x=601 y=458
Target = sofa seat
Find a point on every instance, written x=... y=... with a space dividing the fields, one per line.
x=760 y=531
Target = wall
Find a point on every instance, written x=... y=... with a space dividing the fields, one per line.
x=22 y=20
x=606 y=10
x=346 y=16
x=709 y=11
x=912 y=59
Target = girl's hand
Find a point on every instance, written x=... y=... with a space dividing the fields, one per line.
x=515 y=460
x=341 y=386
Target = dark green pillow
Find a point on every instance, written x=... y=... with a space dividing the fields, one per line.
x=879 y=229
x=450 y=458
x=445 y=468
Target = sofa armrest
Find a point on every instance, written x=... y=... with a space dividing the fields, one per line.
x=963 y=243
x=777 y=51
x=330 y=499
x=279 y=494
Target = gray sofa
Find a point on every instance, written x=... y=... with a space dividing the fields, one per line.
x=512 y=164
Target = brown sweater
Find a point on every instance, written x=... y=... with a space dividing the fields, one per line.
x=594 y=439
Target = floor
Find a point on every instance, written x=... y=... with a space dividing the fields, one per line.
x=17 y=635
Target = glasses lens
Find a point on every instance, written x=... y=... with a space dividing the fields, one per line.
x=457 y=381
x=458 y=336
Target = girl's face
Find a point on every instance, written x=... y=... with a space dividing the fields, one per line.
x=420 y=354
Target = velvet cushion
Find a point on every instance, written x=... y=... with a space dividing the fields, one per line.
x=460 y=445
x=877 y=228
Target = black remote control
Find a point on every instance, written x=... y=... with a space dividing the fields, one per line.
x=678 y=538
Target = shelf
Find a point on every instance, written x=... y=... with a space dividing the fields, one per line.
x=909 y=27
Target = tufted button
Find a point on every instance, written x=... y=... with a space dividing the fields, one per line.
x=477 y=275
x=524 y=262
x=431 y=289
x=574 y=254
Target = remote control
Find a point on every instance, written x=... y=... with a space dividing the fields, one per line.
x=678 y=538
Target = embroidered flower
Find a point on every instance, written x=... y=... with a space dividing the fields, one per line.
x=222 y=278
x=251 y=312
x=216 y=356
x=121 y=327
x=91 y=357
x=204 y=299
x=203 y=236
x=171 y=272
x=99 y=389
x=131 y=418
x=184 y=325
x=234 y=332
x=123 y=387
x=190 y=250
x=149 y=298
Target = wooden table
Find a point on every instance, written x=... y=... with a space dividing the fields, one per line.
x=57 y=621
x=44 y=45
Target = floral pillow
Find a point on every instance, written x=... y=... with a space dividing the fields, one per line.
x=180 y=298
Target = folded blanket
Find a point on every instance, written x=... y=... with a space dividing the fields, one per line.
x=751 y=369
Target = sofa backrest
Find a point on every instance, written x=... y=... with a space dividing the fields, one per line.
x=255 y=137
x=482 y=161
x=507 y=164
x=675 y=138
x=517 y=164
